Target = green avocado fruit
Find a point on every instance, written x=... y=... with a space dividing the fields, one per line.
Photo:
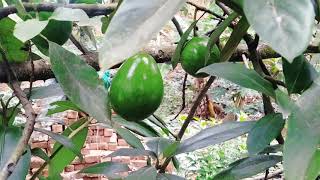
x=56 y=31
x=136 y=90
x=193 y=56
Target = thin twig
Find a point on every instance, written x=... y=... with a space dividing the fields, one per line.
x=29 y=125
x=224 y=8
x=78 y=45
x=189 y=117
x=31 y=74
x=183 y=105
x=200 y=8
x=177 y=25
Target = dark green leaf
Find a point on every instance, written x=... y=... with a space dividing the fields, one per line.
x=158 y=144
x=303 y=134
x=131 y=152
x=184 y=38
x=272 y=149
x=61 y=106
x=215 y=135
x=160 y=123
x=249 y=167
x=239 y=74
x=80 y=82
x=176 y=163
x=34 y=27
x=239 y=31
x=108 y=169
x=214 y=37
x=130 y=138
x=169 y=177
x=279 y=24
x=9 y=138
x=62 y=139
x=171 y=149
x=146 y=173
x=64 y=156
x=299 y=74
x=40 y=153
x=264 y=131
x=15 y=50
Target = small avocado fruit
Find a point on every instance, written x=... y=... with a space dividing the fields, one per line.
x=193 y=56
x=136 y=90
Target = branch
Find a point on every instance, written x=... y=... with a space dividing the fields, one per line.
x=183 y=105
x=177 y=25
x=205 y=10
x=29 y=125
x=90 y=9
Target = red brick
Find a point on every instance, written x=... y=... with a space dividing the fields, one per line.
x=57 y=128
x=113 y=138
x=78 y=167
x=122 y=142
x=40 y=144
x=103 y=146
x=112 y=146
x=116 y=159
x=92 y=158
x=36 y=162
x=108 y=132
x=138 y=163
x=138 y=158
x=123 y=147
x=72 y=115
x=4 y=87
x=69 y=168
x=105 y=139
x=101 y=132
x=90 y=132
x=84 y=151
x=93 y=146
x=105 y=159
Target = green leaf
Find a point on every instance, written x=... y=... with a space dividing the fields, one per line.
x=214 y=37
x=171 y=149
x=140 y=128
x=9 y=138
x=284 y=101
x=61 y=106
x=146 y=173
x=62 y=139
x=131 y=152
x=107 y=19
x=314 y=167
x=158 y=144
x=40 y=153
x=45 y=91
x=272 y=149
x=236 y=36
x=239 y=74
x=299 y=74
x=249 y=167
x=279 y=24
x=168 y=177
x=80 y=82
x=183 y=40
x=215 y=135
x=15 y=50
x=68 y=14
x=64 y=156
x=108 y=169
x=264 y=131
x=33 y=26
x=303 y=135
x=130 y=138
x=160 y=123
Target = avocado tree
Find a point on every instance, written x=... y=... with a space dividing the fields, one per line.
x=284 y=29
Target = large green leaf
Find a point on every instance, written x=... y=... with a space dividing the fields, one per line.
x=130 y=138
x=9 y=138
x=146 y=173
x=40 y=153
x=299 y=74
x=303 y=135
x=15 y=50
x=168 y=177
x=65 y=156
x=314 y=167
x=108 y=169
x=248 y=167
x=264 y=131
x=158 y=145
x=34 y=27
x=45 y=91
x=215 y=135
x=284 y=24
x=239 y=74
x=80 y=82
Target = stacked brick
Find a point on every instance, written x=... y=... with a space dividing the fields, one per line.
x=99 y=144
